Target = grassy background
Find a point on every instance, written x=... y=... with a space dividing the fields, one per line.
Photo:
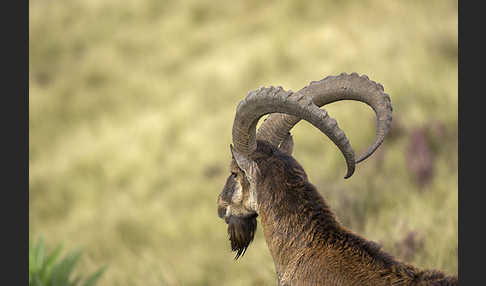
x=131 y=108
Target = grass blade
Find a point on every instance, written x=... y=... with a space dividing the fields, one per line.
x=92 y=279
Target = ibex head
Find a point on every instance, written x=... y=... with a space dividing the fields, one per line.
x=238 y=203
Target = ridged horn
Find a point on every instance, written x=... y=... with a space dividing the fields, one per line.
x=276 y=100
x=330 y=89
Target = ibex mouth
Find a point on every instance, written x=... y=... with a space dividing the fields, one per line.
x=228 y=219
x=221 y=212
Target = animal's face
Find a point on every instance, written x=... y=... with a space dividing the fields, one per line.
x=237 y=203
x=235 y=199
x=237 y=206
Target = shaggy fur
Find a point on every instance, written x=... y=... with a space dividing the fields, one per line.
x=241 y=232
x=308 y=245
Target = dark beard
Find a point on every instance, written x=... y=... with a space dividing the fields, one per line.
x=241 y=231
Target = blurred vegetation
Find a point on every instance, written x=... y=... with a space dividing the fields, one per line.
x=47 y=269
x=131 y=108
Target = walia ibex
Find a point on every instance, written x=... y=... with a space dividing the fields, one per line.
x=308 y=244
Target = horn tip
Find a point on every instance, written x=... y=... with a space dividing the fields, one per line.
x=349 y=174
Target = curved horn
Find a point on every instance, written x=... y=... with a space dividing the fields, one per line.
x=330 y=89
x=276 y=100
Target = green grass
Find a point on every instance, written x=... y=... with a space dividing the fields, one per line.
x=46 y=268
x=131 y=108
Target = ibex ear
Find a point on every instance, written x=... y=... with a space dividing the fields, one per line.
x=246 y=164
x=252 y=172
x=287 y=145
x=242 y=160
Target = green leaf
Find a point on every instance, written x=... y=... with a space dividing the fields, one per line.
x=50 y=270
x=64 y=269
x=94 y=277
x=45 y=270
x=39 y=259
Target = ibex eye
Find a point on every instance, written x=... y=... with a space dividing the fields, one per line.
x=234 y=174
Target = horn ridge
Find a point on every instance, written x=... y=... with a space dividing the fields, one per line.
x=276 y=100
x=331 y=89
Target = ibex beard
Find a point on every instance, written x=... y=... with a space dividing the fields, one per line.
x=241 y=231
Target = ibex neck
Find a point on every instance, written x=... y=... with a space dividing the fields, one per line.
x=295 y=222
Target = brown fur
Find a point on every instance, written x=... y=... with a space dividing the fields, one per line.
x=308 y=245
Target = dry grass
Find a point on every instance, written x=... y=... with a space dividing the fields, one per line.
x=131 y=107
